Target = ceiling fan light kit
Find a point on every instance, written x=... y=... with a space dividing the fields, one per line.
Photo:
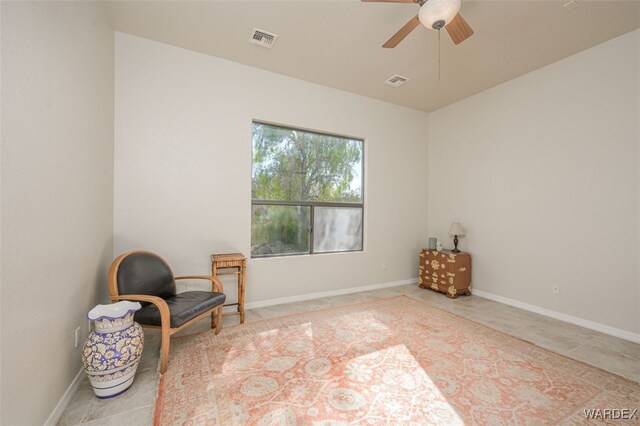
x=435 y=14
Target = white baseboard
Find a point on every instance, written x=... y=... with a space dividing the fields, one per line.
x=602 y=328
x=311 y=296
x=65 y=400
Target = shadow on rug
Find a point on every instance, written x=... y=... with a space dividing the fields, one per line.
x=390 y=361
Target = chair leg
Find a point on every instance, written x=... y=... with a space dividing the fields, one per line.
x=214 y=314
x=164 y=349
x=219 y=321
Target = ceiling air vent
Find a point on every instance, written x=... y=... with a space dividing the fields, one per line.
x=263 y=38
x=396 y=80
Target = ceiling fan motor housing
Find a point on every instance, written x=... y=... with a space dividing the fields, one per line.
x=435 y=14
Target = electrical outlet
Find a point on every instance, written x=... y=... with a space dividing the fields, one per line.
x=556 y=289
x=77 y=336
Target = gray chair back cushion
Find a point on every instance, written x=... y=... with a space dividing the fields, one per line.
x=145 y=273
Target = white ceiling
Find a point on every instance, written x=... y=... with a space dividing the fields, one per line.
x=338 y=43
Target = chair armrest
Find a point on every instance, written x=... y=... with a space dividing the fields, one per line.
x=216 y=284
x=165 y=315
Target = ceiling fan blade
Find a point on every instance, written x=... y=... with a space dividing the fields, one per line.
x=404 y=31
x=388 y=1
x=458 y=29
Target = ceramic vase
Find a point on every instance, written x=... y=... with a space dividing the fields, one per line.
x=113 y=349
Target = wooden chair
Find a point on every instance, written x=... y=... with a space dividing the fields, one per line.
x=145 y=277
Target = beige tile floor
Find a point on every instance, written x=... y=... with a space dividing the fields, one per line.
x=135 y=407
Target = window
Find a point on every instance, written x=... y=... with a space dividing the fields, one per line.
x=306 y=192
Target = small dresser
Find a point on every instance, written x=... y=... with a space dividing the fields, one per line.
x=445 y=271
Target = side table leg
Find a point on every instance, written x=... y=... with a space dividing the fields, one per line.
x=241 y=294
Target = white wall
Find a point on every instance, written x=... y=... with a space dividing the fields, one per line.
x=57 y=195
x=542 y=171
x=183 y=167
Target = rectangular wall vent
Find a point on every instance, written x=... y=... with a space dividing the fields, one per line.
x=396 y=80
x=263 y=38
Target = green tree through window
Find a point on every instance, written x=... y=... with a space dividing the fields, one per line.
x=307 y=192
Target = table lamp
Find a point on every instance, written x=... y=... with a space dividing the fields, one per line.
x=457 y=231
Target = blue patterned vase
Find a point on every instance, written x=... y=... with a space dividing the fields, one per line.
x=113 y=349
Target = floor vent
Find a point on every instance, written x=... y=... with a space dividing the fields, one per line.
x=263 y=38
x=396 y=80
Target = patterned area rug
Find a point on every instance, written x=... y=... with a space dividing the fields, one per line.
x=390 y=361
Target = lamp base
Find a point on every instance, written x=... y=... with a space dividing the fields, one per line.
x=455 y=244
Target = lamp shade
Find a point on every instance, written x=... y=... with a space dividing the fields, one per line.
x=435 y=14
x=456 y=229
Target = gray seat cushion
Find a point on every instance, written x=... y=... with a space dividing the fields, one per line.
x=183 y=307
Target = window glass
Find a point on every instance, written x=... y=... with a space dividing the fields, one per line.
x=296 y=165
x=279 y=230
x=337 y=229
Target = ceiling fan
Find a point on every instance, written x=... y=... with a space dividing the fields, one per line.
x=434 y=14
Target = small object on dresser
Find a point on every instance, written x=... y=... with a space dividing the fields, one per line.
x=432 y=243
x=439 y=246
x=456 y=231
x=446 y=272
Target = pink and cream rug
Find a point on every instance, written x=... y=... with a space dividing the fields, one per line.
x=391 y=361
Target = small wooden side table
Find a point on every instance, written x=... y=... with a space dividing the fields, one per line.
x=232 y=264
